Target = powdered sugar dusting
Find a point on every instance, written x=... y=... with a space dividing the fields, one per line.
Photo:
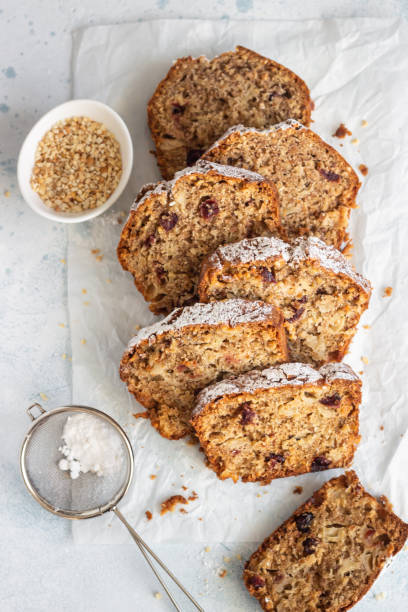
x=231 y=312
x=303 y=249
x=201 y=167
x=275 y=377
x=242 y=129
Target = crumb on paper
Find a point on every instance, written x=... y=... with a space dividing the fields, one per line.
x=298 y=490
x=184 y=488
x=226 y=559
x=258 y=495
x=84 y=291
x=355 y=141
x=87 y=303
x=381 y=427
x=63 y=261
x=363 y=169
x=379 y=596
x=44 y=397
x=367 y=326
x=387 y=292
x=83 y=341
x=361 y=372
x=183 y=511
x=191 y=442
x=342 y=131
x=200 y=518
x=7 y=193
x=137 y=327
x=364 y=123
x=239 y=556
x=158 y=595
x=108 y=280
x=95 y=251
x=364 y=360
x=61 y=324
x=222 y=573
x=64 y=355
x=99 y=257
x=141 y=415
x=170 y=504
x=207 y=548
x=193 y=497
x=149 y=515
x=152 y=476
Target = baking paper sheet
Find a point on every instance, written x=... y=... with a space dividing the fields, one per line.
x=356 y=70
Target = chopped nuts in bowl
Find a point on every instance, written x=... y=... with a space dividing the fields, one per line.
x=75 y=162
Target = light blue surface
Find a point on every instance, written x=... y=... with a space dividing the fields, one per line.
x=40 y=569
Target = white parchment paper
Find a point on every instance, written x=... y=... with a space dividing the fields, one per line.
x=356 y=70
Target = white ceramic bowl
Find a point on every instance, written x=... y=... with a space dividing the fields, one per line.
x=75 y=108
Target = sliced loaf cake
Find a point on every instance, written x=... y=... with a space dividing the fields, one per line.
x=283 y=421
x=168 y=363
x=317 y=288
x=327 y=555
x=173 y=225
x=199 y=99
x=316 y=186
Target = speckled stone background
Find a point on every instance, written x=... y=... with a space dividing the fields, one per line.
x=40 y=569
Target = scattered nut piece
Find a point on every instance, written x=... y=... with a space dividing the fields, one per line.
x=364 y=123
x=84 y=291
x=152 y=476
x=95 y=251
x=141 y=415
x=83 y=341
x=379 y=596
x=355 y=141
x=361 y=372
x=298 y=490
x=99 y=257
x=64 y=355
x=222 y=573
x=381 y=427
x=342 y=131
x=63 y=261
x=207 y=548
x=149 y=515
x=183 y=511
x=193 y=497
x=363 y=169
x=364 y=360
x=44 y=397
x=61 y=324
x=367 y=326
x=108 y=280
x=86 y=303
x=387 y=292
x=227 y=559
x=170 y=504
x=137 y=327
x=7 y=194
x=239 y=557
x=158 y=595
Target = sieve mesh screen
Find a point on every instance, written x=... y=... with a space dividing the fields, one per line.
x=86 y=494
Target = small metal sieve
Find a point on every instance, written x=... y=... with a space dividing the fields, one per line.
x=89 y=495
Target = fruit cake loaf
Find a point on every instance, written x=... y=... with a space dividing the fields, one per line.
x=167 y=363
x=317 y=288
x=327 y=555
x=199 y=99
x=283 y=421
x=172 y=226
x=316 y=186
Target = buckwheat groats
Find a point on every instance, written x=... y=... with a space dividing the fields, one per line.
x=320 y=294
x=328 y=554
x=316 y=186
x=168 y=363
x=199 y=99
x=283 y=421
x=173 y=225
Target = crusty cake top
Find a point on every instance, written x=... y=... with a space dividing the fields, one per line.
x=201 y=167
x=231 y=312
x=274 y=377
x=308 y=247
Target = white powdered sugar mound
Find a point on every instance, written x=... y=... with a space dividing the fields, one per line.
x=274 y=377
x=90 y=445
x=231 y=312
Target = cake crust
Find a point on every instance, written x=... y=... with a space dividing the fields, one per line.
x=328 y=553
x=187 y=113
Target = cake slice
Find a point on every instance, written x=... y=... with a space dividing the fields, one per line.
x=317 y=288
x=283 y=421
x=168 y=363
x=173 y=225
x=199 y=99
x=316 y=186
x=328 y=554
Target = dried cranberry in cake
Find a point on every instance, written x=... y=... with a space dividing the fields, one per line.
x=168 y=220
x=275 y=420
x=331 y=400
x=310 y=545
x=209 y=208
x=321 y=295
x=317 y=187
x=303 y=521
x=247 y=415
x=238 y=83
x=161 y=275
x=256 y=582
x=346 y=562
x=319 y=464
x=184 y=225
x=193 y=155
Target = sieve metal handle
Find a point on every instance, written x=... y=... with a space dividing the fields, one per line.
x=30 y=408
x=145 y=549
